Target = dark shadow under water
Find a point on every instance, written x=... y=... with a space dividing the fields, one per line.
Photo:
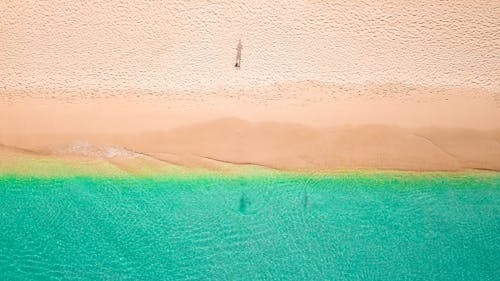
x=346 y=228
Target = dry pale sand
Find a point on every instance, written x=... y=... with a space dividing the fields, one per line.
x=308 y=126
x=179 y=45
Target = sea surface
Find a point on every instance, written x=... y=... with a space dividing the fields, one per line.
x=353 y=226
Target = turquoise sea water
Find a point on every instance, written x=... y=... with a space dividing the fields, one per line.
x=287 y=227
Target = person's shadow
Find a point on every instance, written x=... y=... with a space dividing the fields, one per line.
x=238 y=54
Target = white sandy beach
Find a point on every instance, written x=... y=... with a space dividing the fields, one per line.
x=322 y=85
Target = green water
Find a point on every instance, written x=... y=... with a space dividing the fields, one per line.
x=346 y=227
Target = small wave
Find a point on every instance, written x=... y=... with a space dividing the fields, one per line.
x=84 y=148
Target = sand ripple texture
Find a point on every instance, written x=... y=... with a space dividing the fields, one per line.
x=189 y=45
x=283 y=228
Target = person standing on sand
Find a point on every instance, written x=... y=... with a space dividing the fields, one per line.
x=238 y=54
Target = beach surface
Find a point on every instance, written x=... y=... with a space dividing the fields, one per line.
x=320 y=85
x=307 y=126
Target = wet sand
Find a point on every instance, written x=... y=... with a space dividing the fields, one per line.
x=305 y=126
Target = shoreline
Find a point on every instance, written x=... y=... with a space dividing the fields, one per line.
x=226 y=144
x=306 y=126
x=33 y=165
x=66 y=171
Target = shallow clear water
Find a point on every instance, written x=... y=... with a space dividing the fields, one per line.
x=348 y=227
